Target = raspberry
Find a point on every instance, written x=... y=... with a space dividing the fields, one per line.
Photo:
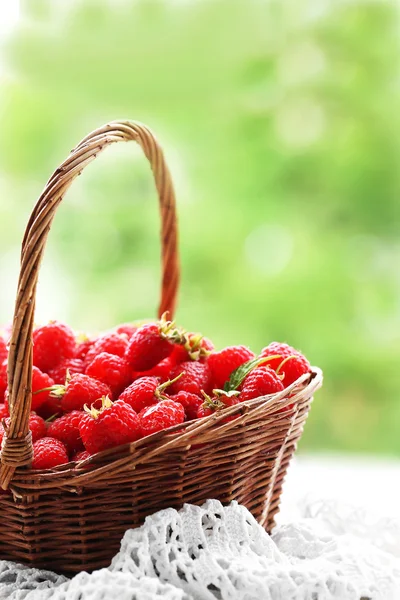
x=82 y=455
x=3 y=379
x=66 y=429
x=112 y=425
x=40 y=381
x=51 y=344
x=72 y=365
x=83 y=346
x=190 y=403
x=3 y=411
x=80 y=390
x=260 y=382
x=48 y=453
x=160 y=416
x=113 y=343
x=141 y=393
x=211 y=405
x=50 y=409
x=144 y=392
x=126 y=329
x=111 y=370
x=224 y=362
x=162 y=370
x=196 y=377
x=149 y=345
x=195 y=347
x=37 y=425
x=291 y=363
x=3 y=349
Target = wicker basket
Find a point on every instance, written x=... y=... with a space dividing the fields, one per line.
x=72 y=518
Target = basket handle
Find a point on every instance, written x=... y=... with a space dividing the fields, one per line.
x=17 y=443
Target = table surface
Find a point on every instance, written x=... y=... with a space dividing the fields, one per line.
x=366 y=481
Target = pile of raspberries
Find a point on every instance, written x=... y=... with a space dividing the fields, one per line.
x=91 y=394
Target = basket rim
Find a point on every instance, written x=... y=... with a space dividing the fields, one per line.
x=17 y=447
x=76 y=474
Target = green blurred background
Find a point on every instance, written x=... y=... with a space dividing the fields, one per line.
x=281 y=125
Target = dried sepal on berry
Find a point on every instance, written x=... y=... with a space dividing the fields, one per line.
x=218 y=402
x=79 y=389
x=109 y=425
x=152 y=343
x=194 y=346
x=94 y=412
x=145 y=391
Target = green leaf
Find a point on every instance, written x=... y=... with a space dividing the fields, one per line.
x=241 y=372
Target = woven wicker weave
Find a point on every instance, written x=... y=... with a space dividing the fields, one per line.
x=72 y=517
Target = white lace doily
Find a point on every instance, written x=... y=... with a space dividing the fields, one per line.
x=331 y=552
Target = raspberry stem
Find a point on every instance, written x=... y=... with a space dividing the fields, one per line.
x=285 y=360
x=212 y=403
x=159 y=389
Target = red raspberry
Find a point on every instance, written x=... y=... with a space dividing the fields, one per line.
x=111 y=370
x=196 y=377
x=260 y=382
x=72 y=365
x=66 y=429
x=83 y=347
x=160 y=416
x=3 y=411
x=141 y=393
x=113 y=343
x=37 y=425
x=3 y=349
x=162 y=370
x=148 y=346
x=291 y=363
x=51 y=408
x=224 y=362
x=3 y=379
x=144 y=392
x=40 y=381
x=190 y=403
x=80 y=390
x=51 y=344
x=112 y=425
x=211 y=405
x=48 y=453
x=195 y=347
x=82 y=455
x=126 y=329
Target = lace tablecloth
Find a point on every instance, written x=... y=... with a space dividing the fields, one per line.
x=338 y=537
